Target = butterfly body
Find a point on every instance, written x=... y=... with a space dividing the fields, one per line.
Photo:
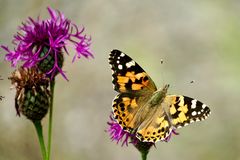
x=150 y=107
x=159 y=95
x=141 y=109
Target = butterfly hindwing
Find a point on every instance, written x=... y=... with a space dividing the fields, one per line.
x=157 y=127
x=184 y=110
x=127 y=75
x=125 y=108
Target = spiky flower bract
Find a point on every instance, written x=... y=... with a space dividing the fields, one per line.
x=42 y=43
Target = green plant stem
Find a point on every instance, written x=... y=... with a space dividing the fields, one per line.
x=144 y=155
x=38 y=127
x=52 y=84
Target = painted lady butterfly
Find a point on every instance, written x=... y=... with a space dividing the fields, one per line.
x=142 y=109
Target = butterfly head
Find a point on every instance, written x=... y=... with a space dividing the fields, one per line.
x=165 y=88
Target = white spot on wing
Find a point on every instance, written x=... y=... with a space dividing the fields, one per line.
x=122 y=54
x=204 y=106
x=194 y=113
x=131 y=63
x=194 y=102
x=118 y=61
x=120 y=66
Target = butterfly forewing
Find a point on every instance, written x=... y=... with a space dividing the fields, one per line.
x=173 y=112
x=127 y=75
x=184 y=110
x=135 y=87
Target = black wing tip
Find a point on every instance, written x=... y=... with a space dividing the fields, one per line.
x=113 y=54
x=116 y=51
x=207 y=110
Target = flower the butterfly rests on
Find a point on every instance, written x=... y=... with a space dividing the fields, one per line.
x=142 y=110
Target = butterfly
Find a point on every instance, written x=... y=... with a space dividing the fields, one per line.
x=144 y=110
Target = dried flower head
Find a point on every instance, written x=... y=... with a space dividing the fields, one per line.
x=42 y=43
x=32 y=96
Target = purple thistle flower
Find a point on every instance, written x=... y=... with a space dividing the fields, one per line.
x=119 y=135
x=40 y=40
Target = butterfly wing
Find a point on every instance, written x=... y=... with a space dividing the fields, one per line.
x=174 y=112
x=184 y=110
x=135 y=88
x=155 y=128
x=127 y=75
x=126 y=109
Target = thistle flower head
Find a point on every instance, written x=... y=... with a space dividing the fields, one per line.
x=118 y=134
x=32 y=96
x=41 y=43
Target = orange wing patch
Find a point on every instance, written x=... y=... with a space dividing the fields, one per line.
x=132 y=81
x=127 y=75
x=158 y=129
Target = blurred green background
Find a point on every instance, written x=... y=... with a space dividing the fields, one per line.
x=197 y=40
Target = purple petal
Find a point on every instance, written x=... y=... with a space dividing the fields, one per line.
x=117 y=133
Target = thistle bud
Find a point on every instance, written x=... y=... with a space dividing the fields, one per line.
x=50 y=60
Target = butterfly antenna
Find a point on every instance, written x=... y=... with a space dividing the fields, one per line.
x=162 y=62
